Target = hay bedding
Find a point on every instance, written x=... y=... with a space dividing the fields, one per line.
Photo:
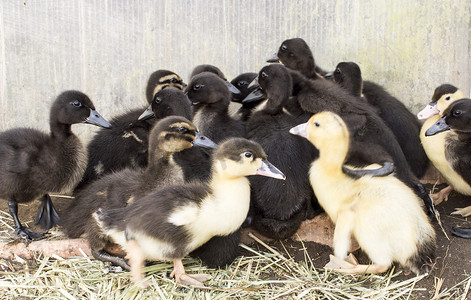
x=264 y=271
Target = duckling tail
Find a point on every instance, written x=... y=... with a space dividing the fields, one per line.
x=424 y=259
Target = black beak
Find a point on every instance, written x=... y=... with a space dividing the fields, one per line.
x=232 y=88
x=385 y=170
x=254 y=96
x=147 y=114
x=203 y=141
x=329 y=76
x=438 y=127
x=274 y=59
x=96 y=119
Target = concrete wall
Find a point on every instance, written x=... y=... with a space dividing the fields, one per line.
x=107 y=49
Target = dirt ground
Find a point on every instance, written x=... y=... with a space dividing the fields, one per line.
x=453 y=263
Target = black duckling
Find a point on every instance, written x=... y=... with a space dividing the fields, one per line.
x=457 y=119
x=170 y=135
x=34 y=164
x=127 y=140
x=211 y=99
x=366 y=126
x=242 y=82
x=168 y=224
x=215 y=70
x=434 y=145
x=394 y=113
x=279 y=208
x=295 y=54
x=382 y=213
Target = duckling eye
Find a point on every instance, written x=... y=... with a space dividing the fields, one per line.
x=242 y=83
x=264 y=74
x=173 y=80
x=158 y=100
x=448 y=98
x=283 y=48
x=248 y=154
x=77 y=103
x=456 y=113
x=317 y=124
x=182 y=129
x=197 y=87
x=337 y=71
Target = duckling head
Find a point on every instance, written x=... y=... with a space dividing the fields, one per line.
x=161 y=79
x=208 y=89
x=215 y=70
x=241 y=82
x=457 y=117
x=323 y=130
x=167 y=102
x=295 y=54
x=72 y=107
x=276 y=84
x=442 y=97
x=238 y=157
x=348 y=76
x=174 y=134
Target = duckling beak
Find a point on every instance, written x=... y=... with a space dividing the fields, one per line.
x=274 y=59
x=329 y=76
x=184 y=85
x=386 y=169
x=232 y=88
x=202 y=141
x=96 y=119
x=429 y=110
x=269 y=170
x=254 y=96
x=437 y=127
x=147 y=114
x=300 y=130
x=254 y=83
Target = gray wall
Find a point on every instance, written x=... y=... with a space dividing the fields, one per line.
x=107 y=49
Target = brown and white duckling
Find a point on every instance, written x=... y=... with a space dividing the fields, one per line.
x=119 y=189
x=34 y=164
x=128 y=139
x=456 y=120
x=382 y=213
x=434 y=145
x=170 y=223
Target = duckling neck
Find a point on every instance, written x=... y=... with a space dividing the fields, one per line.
x=332 y=156
x=60 y=131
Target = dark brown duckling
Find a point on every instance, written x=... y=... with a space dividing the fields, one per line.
x=127 y=140
x=34 y=164
x=170 y=135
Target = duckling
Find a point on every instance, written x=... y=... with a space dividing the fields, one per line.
x=170 y=135
x=34 y=164
x=457 y=120
x=242 y=82
x=211 y=98
x=215 y=70
x=278 y=209
x=127 y=140
x=434 y=146
x=366 y=126
x=169 y=223
x=394 y=113
x=382 y=213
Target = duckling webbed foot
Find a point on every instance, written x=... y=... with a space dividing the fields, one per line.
x=442 y=195
x=47 y=216
x=115 y=260
x=462 y=232
x=19 y=228
x=183 y=278
x=464 y=212
x=351 y=266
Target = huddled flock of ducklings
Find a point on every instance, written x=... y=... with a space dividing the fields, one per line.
x=155 y=182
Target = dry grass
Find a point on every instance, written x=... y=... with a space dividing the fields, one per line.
x=265 y=274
